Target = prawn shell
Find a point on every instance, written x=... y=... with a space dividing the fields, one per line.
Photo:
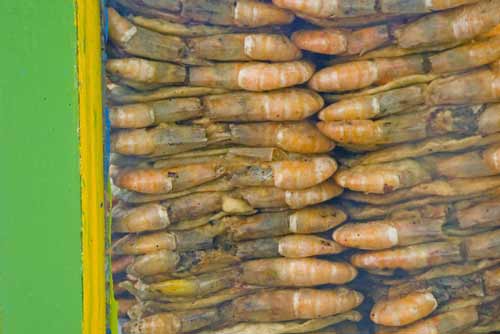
x=302 y=138
x=489 y=120
x=146 y=71
x=491 y=158
x=263 y=76
x=466 y=57
x=455 y=321
x=345 y=77
x=383 y=178
x=329 y=9
x=193 y=206
x=145 y=243
x=359 y=132
x=410 y=257
x=153 y=113
x=264 y=197
x=165 y=180
x=148 y=217
x=370 y=236
x=471 y=164
x=131 y=116
x=483 y=246
x=150 y=264
x=327 y=41
x=154 y=324
x=492 y=281
x=315 y=219
x=374 y=106
x=479 y=215
x=298 y=137
x=141 y=42
x=251 y=14
x=136 y=142
x=270 y=47
x=317 y=9
x=242 y=47
x=147 y=181
x=293 y=104
x=300 y=246
x=456 y=25
x=258 y=226
x=296 y=272
x=405 y=310
x=297 y=199
x=283 y=305
x=301 y=174
x=419 y=6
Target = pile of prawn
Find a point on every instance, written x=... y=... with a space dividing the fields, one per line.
x=294 y=166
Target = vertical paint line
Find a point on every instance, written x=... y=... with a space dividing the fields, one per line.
x=91 y=165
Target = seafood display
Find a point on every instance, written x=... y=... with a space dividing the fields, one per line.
x=294 y=166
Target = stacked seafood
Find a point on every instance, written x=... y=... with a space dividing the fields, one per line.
x=414 y=105
x=220 y=175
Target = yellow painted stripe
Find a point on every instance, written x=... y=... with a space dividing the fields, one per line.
x=91 y=165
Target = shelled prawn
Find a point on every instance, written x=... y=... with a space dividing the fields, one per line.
x=168 y=139
x=293 y=104
x=251 y=76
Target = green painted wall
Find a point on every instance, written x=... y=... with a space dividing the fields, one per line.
x=40 y=261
